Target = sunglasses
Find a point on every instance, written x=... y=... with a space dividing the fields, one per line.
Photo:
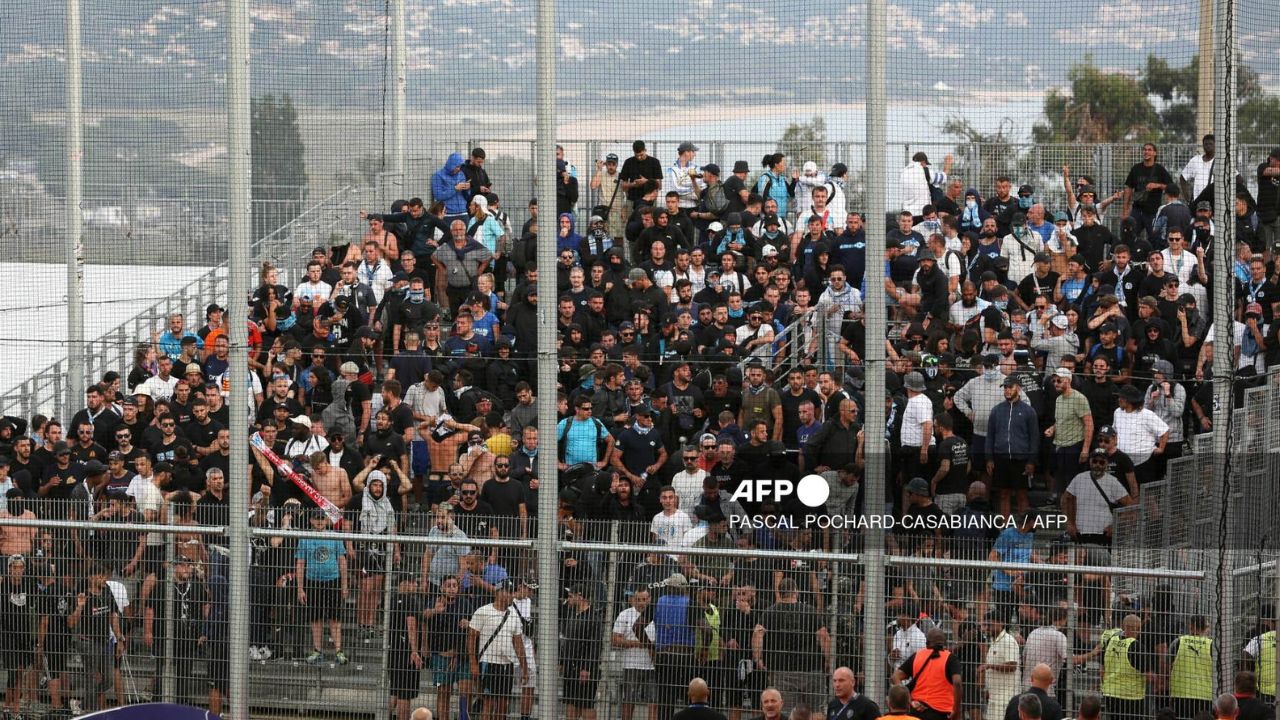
x=708 y=447
x=585 y=407
x=691 y=458
x=502 y=464
x=468 y=492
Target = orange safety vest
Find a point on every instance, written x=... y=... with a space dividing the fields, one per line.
x=930 y=684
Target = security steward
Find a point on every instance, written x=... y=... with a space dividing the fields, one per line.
x=1191 y=670
x=932 y=674
x=1126 y=670
x=1260 y=656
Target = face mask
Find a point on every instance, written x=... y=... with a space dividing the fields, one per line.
x=992 y=373
x=931 y=371
x=416 y=296
x=933 y=226
x=1002 y=304
x=971 y=203
x=1019 y=231
x=1025 y=203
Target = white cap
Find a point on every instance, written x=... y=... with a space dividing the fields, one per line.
x=769 y=251
x=302 y=420
x=1062 y=373
x=481 y=200
x=1059 y=321
x=810 y=168
x=715 y=227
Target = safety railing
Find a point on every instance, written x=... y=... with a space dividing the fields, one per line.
x=287 y=247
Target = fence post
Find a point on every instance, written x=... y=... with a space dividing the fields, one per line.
x=1068 y=674
x=610 y=611
x=382 y=710
x=167 y=684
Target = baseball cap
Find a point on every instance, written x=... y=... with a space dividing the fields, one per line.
x=1253 y=308
x=349 y=367
x=94 y=467
x=1204 y=205
x=636 y=274
x=113 y=455
x=611 y=157
x=1043 y=257
x=769 y=251
x=1162 y=366
x=707 y=438
x=505 y=585
x=193 y=368
x=1100 y=452
x=1062 y=373
x=711 y=169
x=1107 y=431
x=1026 y=190
x=677 y=580
x=1107 y=327
x=1060 y=322
x=61 y=448
x=918 y=486
x=302 y=420
x=215 y=307
x=1012 y=381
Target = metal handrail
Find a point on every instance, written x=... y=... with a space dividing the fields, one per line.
x=112 y=349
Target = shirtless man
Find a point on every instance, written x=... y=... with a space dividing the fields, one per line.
x=331 y=481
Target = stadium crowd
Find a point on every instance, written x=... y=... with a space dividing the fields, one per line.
x=711 y=334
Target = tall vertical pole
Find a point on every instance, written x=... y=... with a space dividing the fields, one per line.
x=238 y=202
x=74 y=217
x=547 y=547
x=1223 y=287
x=1204 y=99
x=399 y=87
x=873 y=359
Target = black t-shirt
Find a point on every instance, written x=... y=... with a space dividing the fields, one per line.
x=403 y=607
x=95 y=619
x=202 y=435
x=477 y=521
x=858 y=708
x=634 y=169
x=791 y=412
x=390 y=445
x=443 y=632
x=1002 y=210
x=504 y=497
x=167 y=452
x=1139 y=176
x=639 y=451
x=19 y=601
x=1268 y=195
x=955 y=450
x=1119 y=465
x=791 y=637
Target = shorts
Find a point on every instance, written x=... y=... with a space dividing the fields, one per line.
x=443 y=676
x=405 y=678
x=324 y=599
x=152 y=562
x=579 y=694
x=1010 y=473
x=57 y=656
x=496 y=680
x=639 y=687
x=372 y=563
x=18 y=653
x=419 y=458
x=99 y=658
x=750 y=683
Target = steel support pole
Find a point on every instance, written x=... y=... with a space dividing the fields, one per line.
x=238 y=225
x=399 y=89
x=547 y=546
x=1223 y=301
x=74 y=217
x=1204 y=101
x=876 y=449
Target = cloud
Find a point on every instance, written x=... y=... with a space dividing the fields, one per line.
x=964 y=14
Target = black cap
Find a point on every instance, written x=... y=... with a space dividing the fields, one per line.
x=741 y=166
x=365 y=332
x=342 y=301
x=711 y=168
x=1106 y=431
x=1204 y=205
x=61 y=448
x=94 y=467
x=1026 y=190
x=215 y=307
x=611 y=157
x=1012 y=381
x=1102 y=452
x=4 y=461
x=507 y=585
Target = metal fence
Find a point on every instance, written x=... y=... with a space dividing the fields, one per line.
x=637 y=621
x=287 y=247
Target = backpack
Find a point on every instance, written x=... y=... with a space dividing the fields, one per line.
x=337 y=416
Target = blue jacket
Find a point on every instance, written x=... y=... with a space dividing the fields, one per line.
x=1013 y=431
x=442 y=186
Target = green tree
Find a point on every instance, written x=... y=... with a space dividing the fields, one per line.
x=1100 y=107
x=1178 y=90
x=279 y=171
x=805 y=141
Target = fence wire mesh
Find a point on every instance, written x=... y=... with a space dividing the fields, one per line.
x=1055 y=365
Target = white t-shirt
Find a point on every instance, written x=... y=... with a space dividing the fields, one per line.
x=308 y=291
x=426 y=402
x=746 y=332
x=1199 y=173
x=489 y=621
x=633 y=658
x=688 y=486
x=1184 y=265
x=907 y=642
x=670 y=529
x=312 y=444
x=1044 y=645
x=121 y=594
x=1093 y=514
x=1138 y=433
x=919 y=411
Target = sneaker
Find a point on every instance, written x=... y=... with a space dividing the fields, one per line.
x=341 y=657
x=255 y=653
x=315 y=657
x=74 y=705
x=264 y=653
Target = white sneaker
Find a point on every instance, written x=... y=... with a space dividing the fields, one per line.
x=264 y=653
x=74 y=706
x=255 y=654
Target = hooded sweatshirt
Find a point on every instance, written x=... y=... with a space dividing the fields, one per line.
x=971 y=217
x=979 y=397
x=376 y=516
x=572 y=240
x=442 y=186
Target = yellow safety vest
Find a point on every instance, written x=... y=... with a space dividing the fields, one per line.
x=1192 y=673
x=712 y=617
x=1266 y=665
x=1120 y=679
